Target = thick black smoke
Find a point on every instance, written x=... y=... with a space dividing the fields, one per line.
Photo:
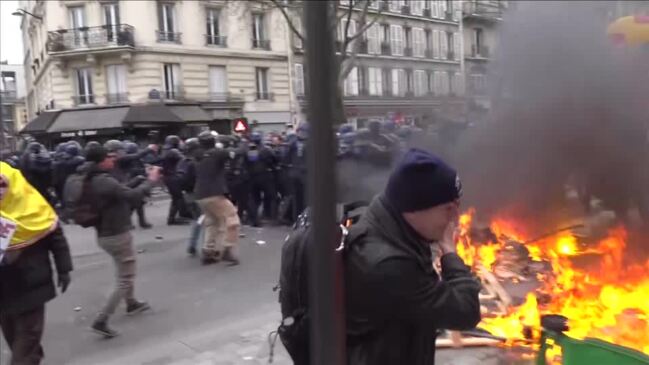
x=568 y=108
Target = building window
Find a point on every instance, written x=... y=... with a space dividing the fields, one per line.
x=457 y=45
x=375 y=76
x=218 y=83
x=261 y=74
x=434 y=8
x=78 y=22
x=167 y=29
x=477 y=83
x=436 y=44
x=396 y=40
x=457 y=84
x=441 y=83
x=421 y=81
x=443 y=44
x=171 y=73
x=259 y=39
x=84 y=87
x=213 y=34
x=399 y=82
x=395 y=5
x=116 y=83
x=373 y=39
x=477 y=41
x=418 y=42
x=111 y=20
x=350 y=86
x=299 y=79
x=8 y=82
x=417 y=7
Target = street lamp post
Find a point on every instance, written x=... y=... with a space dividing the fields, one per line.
x=22 y=12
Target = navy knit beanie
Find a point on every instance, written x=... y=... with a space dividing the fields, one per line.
x=421 y=181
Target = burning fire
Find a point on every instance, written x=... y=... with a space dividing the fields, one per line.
x=609 y=301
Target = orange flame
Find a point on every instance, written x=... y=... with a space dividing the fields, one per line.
x=609 y=301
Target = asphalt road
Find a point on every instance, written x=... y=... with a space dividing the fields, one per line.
x=211 y=315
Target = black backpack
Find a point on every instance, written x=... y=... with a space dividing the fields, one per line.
x=80 y=202
x=293 y=280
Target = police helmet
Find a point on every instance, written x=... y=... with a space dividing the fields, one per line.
x=303 y=131
x=345 y=128
x=207 y=139
x=131 y=147
x=172 y=141
x=114 y=145
x=192 y=144
x=73 y=148
x=256 y=137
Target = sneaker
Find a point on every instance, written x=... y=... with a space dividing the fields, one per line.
x=137 y=307
x=101 y=327
x=191 y=251
x=146 y=225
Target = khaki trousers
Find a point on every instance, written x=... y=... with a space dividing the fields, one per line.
x=221 y=225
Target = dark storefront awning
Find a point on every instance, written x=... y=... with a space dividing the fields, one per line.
x=150 y=114
x=41 y=123
x=191 y=113
x=89 y=119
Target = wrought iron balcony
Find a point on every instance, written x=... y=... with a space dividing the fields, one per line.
x=170 y=37
x=407 y=52
x=427 y=12
x=83 y=99
x=405 y=10
x=481 y=11
x=118 y=98
x=428 y=53
x=118 y=35
x=216 y=40
x=177 y=94
x=261 y=43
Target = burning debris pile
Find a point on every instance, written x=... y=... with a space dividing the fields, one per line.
x=588 y=282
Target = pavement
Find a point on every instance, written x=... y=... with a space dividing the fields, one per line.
x=201 y=315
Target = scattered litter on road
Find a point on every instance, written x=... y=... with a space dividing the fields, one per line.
x=159 y=237
x=141 y=250
x=242 y=235
x=260 y=242
x=248 y=358
x=77 y=309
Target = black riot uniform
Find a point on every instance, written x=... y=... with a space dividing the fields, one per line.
x=263 y=164
x=239 y=182
x=171 y=156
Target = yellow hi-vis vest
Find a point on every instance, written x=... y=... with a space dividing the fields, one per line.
x=25 y=216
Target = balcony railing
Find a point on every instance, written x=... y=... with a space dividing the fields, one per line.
x=385 y=6
x=216 y=40
x=450 y=56
x=261 y=43
x=481 y=10
x=428 y=53
x=407 y=52
x=405 y=10
x=479 y=52
x=220 y=96
x=264 y=95
x=7 y=96
x=448 y=16
x=117 y=98
x=170 y=37
x=83 y=99
x=90 y=37
x=362 y=47
x=427 y=12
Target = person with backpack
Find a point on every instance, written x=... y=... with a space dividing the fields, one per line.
x=30 y=237
x=395 y=301
x=97 y=199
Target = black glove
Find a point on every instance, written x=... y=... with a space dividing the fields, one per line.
x=64 y=282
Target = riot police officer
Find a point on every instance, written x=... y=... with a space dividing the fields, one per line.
x=239 y=182
x=262 y=167
x=171 y=156
x=296 y=164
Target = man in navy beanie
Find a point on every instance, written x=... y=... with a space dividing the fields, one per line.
x=395 y=300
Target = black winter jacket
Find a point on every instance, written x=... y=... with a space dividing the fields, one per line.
x=210 y=173
x=27 y=282
x=395 y=301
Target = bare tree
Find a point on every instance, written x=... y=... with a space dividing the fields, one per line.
x=348 y=44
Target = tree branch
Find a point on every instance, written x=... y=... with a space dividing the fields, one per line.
x=288 y=19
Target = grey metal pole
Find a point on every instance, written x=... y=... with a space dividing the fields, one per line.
x=325 y=280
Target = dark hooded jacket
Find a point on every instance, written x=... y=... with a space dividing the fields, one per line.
x=395 y=300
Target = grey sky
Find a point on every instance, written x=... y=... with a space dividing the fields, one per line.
x=11 y=45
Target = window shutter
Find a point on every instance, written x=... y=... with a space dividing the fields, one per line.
x=443 y=42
